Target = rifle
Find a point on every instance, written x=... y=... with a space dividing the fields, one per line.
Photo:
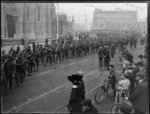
x=4 y=62
x=16 y=58
x=12 y=47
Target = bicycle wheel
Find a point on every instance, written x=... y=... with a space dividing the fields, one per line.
x=115 y=108
x=99 y=96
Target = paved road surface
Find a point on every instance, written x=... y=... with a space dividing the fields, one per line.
x=48 y=90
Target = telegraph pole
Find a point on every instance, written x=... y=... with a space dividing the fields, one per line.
x=57 y=21
x=23 y=20
x=35 y=22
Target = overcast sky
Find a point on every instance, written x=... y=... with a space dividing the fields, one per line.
x=79 y=10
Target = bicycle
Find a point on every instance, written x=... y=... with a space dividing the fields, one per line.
x=117 y=107
x=104 y=90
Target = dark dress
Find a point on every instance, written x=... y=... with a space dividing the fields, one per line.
x=75 y=100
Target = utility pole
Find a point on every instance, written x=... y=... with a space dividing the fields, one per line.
x=35 y=22
x=23 y=24
x=46 y=21
x=57 y=21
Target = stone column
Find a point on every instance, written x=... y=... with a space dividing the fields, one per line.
x=2 y=24
x=32 y=16
x=20 y=22
x=43 y=17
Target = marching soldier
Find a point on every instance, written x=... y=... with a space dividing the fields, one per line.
x=37 y=56
x=9 y=70
x=58 y=54
x=19 y=66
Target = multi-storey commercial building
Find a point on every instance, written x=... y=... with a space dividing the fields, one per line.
x=118 y=20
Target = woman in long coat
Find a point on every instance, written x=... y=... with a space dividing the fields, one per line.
x=76 y=95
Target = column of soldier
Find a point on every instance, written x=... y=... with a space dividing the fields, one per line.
x=18 y=64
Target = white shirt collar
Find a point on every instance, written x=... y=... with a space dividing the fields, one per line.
x=74 y=86
x=140 y=81
x=141 y=68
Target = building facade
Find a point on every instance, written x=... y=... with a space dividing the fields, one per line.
x=118 y=20
x=142 y=27
x=28 y=21
x=65 y=26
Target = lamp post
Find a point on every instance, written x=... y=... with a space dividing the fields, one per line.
x=57 y=22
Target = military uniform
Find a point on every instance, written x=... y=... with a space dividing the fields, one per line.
x=19 y=65
x=9 y=70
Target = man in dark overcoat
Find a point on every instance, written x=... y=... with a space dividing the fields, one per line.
x=139 y=98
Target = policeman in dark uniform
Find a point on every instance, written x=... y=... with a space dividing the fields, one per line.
x=106 y=57
x=101 y=55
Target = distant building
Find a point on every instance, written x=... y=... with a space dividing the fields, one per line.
x=78 y=27
x=65 y=26
x=118 y=20
x=28 y=21
x=142 y=27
